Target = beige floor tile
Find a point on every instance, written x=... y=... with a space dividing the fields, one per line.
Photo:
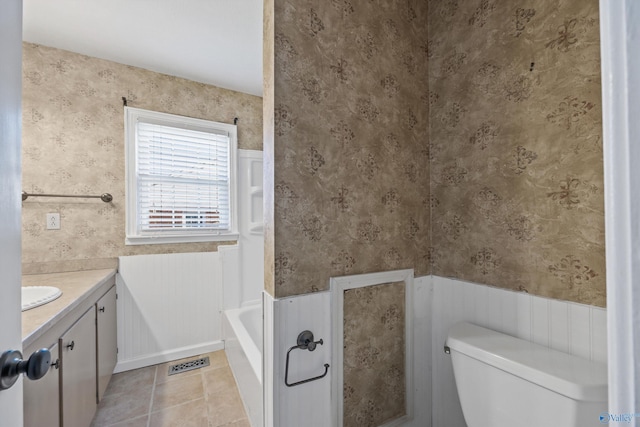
x=123 y=406
x=177 y=392
x=191 y=414
x=239 y=423
x=217 y=380
x=217 y=359
x=204 y=397
x=224 y=407
x=130 y=381
x=136 y=422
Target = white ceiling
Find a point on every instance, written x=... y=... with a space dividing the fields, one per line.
x=218 y=42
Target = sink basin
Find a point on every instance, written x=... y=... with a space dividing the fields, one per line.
x=35 y=296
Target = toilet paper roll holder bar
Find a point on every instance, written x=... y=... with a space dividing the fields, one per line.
x=305 y=342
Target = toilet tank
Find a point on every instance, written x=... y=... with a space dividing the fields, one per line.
x=504 y=381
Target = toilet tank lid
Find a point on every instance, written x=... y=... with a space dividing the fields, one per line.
x=571 y=376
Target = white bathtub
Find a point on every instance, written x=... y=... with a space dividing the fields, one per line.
x=242 y=331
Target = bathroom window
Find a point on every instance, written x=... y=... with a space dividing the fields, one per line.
x=180 y=178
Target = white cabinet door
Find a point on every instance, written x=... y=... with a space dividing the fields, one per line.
x=42 y=397
x=78 y=356
x=107 y=339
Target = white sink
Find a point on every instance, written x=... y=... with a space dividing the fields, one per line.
x=35 y=296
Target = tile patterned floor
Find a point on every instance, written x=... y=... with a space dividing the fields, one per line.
x=148 y=397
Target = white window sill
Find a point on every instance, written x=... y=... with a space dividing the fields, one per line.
x=158 y=240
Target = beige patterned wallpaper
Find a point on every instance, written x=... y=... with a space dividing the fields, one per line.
x=348 y=147
x=513 y=110
x=374 y=354
x=73 y=143
x=516 y=146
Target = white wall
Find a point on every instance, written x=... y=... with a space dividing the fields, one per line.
x=576 y=329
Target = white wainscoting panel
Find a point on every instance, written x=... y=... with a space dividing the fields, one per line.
x=169 y=307
x=310 y=404
x=450 y=304
x=268 y=361
x=577 y=329
x=306 y=404
x=422 y=342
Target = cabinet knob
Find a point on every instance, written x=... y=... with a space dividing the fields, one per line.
x=101 y=309
x=56 y=364
x=12 y=365
x=71 y=345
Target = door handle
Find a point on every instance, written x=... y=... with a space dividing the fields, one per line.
x=12 y=365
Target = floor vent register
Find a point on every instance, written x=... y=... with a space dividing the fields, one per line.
x=189 y=366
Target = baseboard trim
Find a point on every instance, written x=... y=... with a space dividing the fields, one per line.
x=168 y=356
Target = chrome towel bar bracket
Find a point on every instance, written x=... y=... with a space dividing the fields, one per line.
x=305 y=342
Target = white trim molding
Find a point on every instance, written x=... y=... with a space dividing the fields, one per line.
x=338 y=286
x=223 y=166
x=619 y=41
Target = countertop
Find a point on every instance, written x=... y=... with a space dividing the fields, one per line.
x=76 y=286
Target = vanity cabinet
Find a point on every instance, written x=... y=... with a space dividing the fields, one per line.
x=85 y=348
x=107 y=347
x=78 y=377
x=42 y=397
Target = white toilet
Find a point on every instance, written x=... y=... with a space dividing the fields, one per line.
x=504 y=381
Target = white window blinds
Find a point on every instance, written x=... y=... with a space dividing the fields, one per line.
x=183 y=177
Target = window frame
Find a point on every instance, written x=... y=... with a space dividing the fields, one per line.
x=133 y=233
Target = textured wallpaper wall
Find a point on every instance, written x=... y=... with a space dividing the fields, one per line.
x=346 y=152
x=516 y=146
x=473 y=151
x=374 y=354
x=348 y=95
x=73 y=143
